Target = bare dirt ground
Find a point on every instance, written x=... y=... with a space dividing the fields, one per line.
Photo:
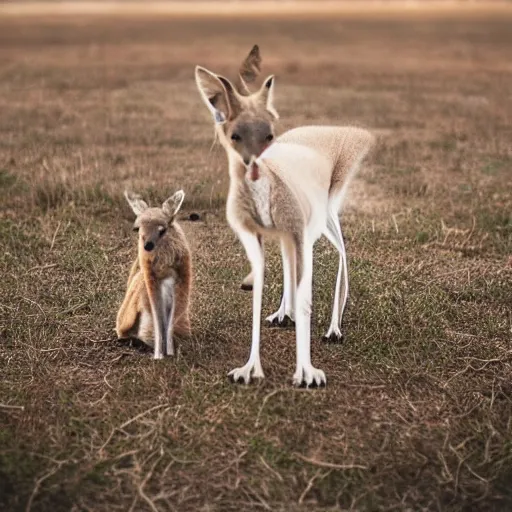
x=417 y=413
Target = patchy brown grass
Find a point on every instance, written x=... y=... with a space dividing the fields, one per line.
x=417 y=413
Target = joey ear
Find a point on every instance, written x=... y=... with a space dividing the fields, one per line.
x=249 y=70
x=137 y=204
x=218 y=95
x=172 y=206
x=266 y=95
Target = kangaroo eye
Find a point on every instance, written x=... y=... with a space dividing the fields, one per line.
x=136 y=229
x=236 y=137
x=162 y=230
x=269 y=137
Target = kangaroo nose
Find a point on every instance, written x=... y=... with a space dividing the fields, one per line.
x=149 y=246
x=247 y=161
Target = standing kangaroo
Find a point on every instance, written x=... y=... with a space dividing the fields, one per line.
x=156 y=304
x=291 y=189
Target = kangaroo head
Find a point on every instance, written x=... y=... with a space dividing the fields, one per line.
x=244 y=121
x=153 y=224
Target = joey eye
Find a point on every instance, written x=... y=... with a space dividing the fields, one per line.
x=136 y=229
x=162 y=230
x=269 y=137
x=236 y=137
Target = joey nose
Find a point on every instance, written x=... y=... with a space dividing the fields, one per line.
x=149 y=246
x=247 y=161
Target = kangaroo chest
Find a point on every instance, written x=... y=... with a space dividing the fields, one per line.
x=259 y=191
x=160 y=268
x=249 y=205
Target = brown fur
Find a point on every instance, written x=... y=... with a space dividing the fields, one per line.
x=169 y=259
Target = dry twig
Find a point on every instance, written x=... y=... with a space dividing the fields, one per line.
x=329 y=465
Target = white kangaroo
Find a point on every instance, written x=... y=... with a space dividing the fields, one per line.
x=291 y=189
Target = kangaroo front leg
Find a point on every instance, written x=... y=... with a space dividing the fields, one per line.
x=305 y=373
x=158 y=324
x=170 y=308
x=255 y=254
x=248 y=281
x=285 y=316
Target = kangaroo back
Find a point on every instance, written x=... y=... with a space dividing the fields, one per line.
x=343 y=146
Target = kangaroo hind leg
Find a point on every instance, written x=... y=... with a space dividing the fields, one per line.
x=285 y=315
x=128 y=315
x=181 y=321
x=334 y=235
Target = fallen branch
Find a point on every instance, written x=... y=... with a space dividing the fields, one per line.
x=141 y=486
x=470 y=367
x=7 y=406
x=272 y=470
x=39 y=481
x=128 y=422
x=329 y=465
x=309 y=486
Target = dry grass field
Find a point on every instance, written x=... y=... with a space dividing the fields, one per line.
x=417 y=412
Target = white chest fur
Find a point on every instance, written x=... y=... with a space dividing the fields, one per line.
x=260 y=192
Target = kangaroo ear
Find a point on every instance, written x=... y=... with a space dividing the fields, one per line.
x=266 y=95
x=137 y=204
x=218 y=95
x=172 y=206
x=249 y=70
